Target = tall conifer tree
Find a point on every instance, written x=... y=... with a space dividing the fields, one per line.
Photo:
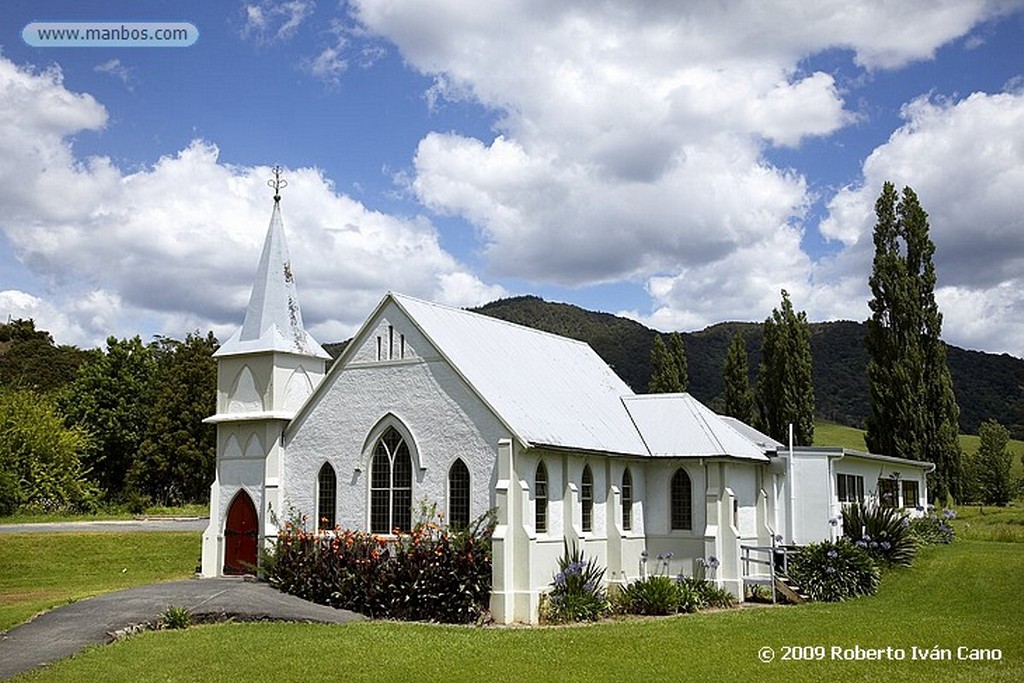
x=785 y=391
x=664 y=369
x=739 y=398
x=678 y=352
x=913 y=409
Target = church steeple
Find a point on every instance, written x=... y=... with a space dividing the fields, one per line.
x=273 y=319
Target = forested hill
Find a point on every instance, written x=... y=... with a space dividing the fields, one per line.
x=986 y=385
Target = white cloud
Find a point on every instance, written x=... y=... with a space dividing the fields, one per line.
x=269 y=21
x=173 y=247
x=115 y=68
x=965 y=161
x=631 y=135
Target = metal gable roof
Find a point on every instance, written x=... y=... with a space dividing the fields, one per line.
x=680 y=425
x=550 y=390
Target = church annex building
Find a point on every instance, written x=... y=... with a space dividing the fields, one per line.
x=437 y=404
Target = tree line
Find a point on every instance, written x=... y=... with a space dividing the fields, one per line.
x=914 y=413
x=121 y=426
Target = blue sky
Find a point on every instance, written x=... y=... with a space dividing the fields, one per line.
x=678 y=163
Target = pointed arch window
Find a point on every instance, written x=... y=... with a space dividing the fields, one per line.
x=458 y=495
x=627 y=500
x=682 y=501
x=540 y=494
x=326 y=497
x=587 y=499
x=390 y=485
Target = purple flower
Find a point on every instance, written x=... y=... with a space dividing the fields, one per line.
x=778 y=538
x=833 y=554
x=885 y=545
x=949 y=514
x=862 y=543
x=834 y=521
x=919 y=508
x=713 y=562
x=830 y=570
x=643 y=556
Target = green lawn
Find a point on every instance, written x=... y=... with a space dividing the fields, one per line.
x=39 y=571
x=964 y=595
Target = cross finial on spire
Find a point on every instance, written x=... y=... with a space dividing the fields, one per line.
x=277 y=183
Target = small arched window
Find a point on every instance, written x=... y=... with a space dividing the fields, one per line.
x=326 y=497
x=458 y=495
x=627 y=500
x=587 y=499
x=391 y=485
x=540 y=494
x=682 y=501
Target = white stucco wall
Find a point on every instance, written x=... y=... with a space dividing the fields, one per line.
x=423 y=395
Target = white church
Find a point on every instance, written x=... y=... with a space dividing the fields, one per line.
x=436 y=404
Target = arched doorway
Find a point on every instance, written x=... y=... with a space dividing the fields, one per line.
x=240 y=536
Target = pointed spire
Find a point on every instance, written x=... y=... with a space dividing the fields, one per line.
x=273 y=320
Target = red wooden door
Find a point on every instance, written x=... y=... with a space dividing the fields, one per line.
x=240 y=536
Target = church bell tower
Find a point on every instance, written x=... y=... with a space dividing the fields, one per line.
x=265 y=372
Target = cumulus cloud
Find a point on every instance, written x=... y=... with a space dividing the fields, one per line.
x=174 y=246
x=965 y=160
x=631 y=137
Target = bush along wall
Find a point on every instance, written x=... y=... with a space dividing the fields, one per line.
x=433 y=573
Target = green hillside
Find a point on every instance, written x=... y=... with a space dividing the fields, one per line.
x=987 y=385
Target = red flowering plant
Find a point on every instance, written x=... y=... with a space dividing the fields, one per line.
x=432 y=573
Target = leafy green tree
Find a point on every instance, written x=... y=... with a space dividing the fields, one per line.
x=29 y=359
x=664 y=369
x=176 y=460
x=785 y=390
x=992 y=465
x=40 y=458
x=739 y=398
x=109 y=400
x=914 y=413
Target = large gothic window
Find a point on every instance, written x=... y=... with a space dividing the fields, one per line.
x=458 y=495
x=391 y=485
x=682 y=501
x=326 y=495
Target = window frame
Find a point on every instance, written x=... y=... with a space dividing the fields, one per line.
x=326 y=494
x=587 y=500
x=894 y=486
x=459 y=501
x=681 y=501
x=916 y=486
x=626 y=492
x=391 y=494
x=540 y=497
x=843 y=488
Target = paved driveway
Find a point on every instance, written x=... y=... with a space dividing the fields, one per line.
x=63 y=631
x=148 y=524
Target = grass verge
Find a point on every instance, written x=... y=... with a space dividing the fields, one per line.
x=964 y=595
x=191 y=510
x=39 y=571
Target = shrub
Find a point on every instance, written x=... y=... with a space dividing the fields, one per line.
x=577 y=590
x=834 y=571
x=708 y=594
x=176 y=618
x=653 y=595
x=433 y=573
x=932 y=528
x=884 y=532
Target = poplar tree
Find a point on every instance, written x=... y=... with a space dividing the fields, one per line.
x=739 y=398
x=785 y=391
x=664 y=371
x=678 y=353
x=913 y=408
